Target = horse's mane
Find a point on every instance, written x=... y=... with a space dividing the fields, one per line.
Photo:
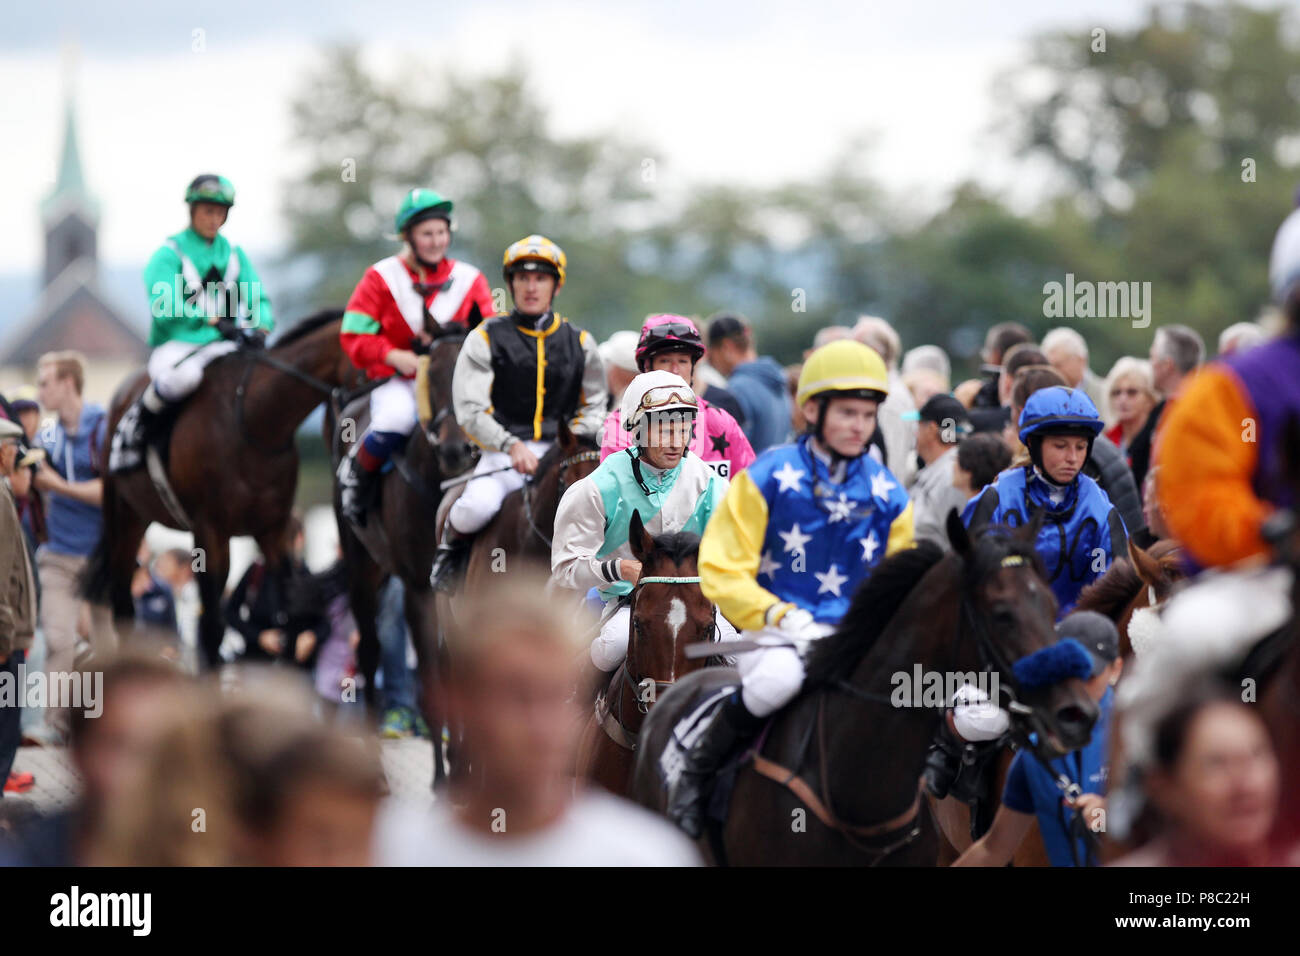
x=677 y=546
x=306 y=326
x=876 y=601
x=1111 y=592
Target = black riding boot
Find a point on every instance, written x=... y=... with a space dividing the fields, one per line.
x=356 y=488
x=730 y=728
x=446 y=563
x=138 y=425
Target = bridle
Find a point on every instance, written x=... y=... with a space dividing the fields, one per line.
x=565 y=464
x=624 y=738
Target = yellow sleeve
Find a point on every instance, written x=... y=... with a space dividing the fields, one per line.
x=730 y=551
x=901 y=532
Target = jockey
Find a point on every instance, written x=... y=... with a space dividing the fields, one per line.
x=395 y=303
x=196 y=279
x=515 y=426
x=1082 y=532
x=658 y=476
x=1220 y=448
x=799 y=530
x=672 y=343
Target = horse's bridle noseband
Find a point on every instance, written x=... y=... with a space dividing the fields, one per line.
x=565 y=463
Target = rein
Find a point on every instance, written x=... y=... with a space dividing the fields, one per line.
x=257 y=355
x=991 y=660
x=613 y=725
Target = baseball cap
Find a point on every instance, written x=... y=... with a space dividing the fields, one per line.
x=23 y=398
x=944 y=409
x=1096 y=633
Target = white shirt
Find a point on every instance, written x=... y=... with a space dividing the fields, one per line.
x=597 y=829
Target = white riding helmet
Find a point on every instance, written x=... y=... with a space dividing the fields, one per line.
x=658 y=391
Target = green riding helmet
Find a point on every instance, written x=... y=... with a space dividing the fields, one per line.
x=419 y=205
x=209 y=187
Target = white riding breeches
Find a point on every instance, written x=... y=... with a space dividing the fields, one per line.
x=770 y=678
x=392 y=406
x=609 y=648
x=176 y=372
x=482 y=497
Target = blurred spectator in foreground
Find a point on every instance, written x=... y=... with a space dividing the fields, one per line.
x=1239 y=337
x=513 y=693
x=138 y=697
x=17 y=608
x=896 y=415
x=618 y=354
x=274 y=785
x=1211 y=781
x=980 y=459
x=756 y=382
x=1176 y=352
x=1067 y=352
x=943 y=424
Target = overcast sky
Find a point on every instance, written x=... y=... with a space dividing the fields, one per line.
x=755 y=91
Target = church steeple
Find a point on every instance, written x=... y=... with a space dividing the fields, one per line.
x=70 y=216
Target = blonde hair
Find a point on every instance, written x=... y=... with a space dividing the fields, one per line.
x=1135 y=368
x=67 y=364
x=516 y=607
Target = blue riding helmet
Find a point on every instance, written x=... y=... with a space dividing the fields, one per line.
x=1059 y=410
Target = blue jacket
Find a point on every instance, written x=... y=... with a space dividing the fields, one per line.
x=74 y=526
x=760 y=388
x=1031 y=789
x=1079 y=537
x=786 y=533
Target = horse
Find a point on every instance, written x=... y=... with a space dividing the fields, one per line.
x=232 y=467
x=396 y=538
x=1145 y=579
x=855 y=756
x=668 y=612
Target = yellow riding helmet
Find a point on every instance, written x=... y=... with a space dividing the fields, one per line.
x=535 y=253
x=845 y=365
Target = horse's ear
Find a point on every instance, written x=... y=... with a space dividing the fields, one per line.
x=957 y=533
x=564 y=435
x=475 y=317
x=1147 y=567
x=638 y=538
x=1029 y=530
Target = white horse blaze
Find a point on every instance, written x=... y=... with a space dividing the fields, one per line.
x=676 y=618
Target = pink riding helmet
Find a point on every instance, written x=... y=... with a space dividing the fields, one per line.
x=675 y=332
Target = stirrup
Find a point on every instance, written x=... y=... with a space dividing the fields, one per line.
x=448 y=562
x=356 y=490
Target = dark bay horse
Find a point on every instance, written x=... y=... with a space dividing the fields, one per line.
x=668 y=612
x=398 y=537
x=856 y=799
x=1145 y=579
x=232 y=465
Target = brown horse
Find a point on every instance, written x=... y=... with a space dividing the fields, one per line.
x=836 y=775
x=1143 y=579
x=398 y=537
x=668 y=612
x=232 y=465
